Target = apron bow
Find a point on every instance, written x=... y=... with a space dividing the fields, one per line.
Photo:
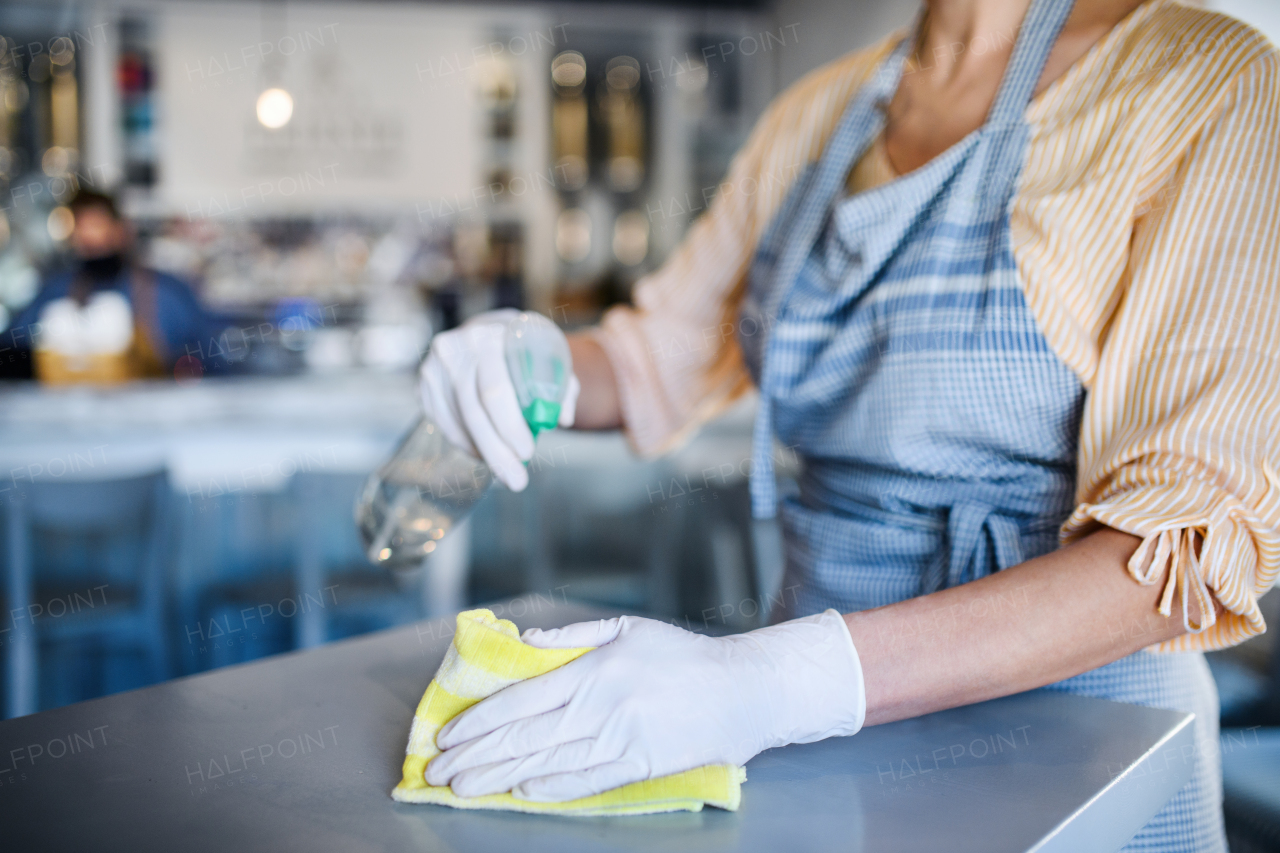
x=978 y=539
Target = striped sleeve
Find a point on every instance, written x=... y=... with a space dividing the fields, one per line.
x=1180 y=438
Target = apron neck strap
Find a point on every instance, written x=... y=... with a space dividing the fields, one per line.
x=1036 y=38
x=888 y=74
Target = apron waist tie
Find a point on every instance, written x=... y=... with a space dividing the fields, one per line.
x=976 y=533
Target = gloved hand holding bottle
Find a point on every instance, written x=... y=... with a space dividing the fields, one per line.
x=467 y=390
x=653 y=699
x=488 y=388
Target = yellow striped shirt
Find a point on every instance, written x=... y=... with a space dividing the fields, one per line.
x=1146 y=231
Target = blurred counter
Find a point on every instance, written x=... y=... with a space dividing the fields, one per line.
x=216 y=436
x=669 y=536
x=233 y=449
x=223 y=435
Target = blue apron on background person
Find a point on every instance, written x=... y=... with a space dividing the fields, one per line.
x=937 y=428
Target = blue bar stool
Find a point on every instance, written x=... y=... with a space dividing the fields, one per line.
x=85 y=569
x=234 y=587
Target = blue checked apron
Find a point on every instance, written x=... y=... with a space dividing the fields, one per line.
x=896 y=355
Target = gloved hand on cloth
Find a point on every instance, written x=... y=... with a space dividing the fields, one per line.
x=653 y=699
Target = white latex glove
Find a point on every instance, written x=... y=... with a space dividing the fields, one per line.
x=653 y=699
x=467 y=391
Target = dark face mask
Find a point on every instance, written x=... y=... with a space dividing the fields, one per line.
x=104 y=268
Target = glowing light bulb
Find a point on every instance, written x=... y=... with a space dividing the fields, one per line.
x=275 y=108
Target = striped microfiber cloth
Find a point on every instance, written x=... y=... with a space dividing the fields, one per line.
x=487 y=655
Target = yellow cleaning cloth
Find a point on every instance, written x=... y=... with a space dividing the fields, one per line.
x=487 y=655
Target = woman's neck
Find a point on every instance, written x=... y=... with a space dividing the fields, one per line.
x=959 y=38
x=964 y=48
x=958 y=31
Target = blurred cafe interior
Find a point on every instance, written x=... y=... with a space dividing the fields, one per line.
x=306 y=192
x=335 y=183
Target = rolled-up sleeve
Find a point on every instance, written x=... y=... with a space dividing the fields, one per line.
x=1180 y=437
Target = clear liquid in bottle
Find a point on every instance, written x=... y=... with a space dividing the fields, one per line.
x=429 y=485
x=409 y=505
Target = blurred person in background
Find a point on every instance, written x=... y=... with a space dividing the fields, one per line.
x=107 y=319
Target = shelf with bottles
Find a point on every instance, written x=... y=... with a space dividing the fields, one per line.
x=41 y=165
x=644 y=120
x=136 y=84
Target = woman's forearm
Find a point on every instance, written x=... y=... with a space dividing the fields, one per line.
x=1044 y=620
x=599 y=406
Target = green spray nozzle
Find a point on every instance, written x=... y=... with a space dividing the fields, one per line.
x=541 y=415
x=540 y=365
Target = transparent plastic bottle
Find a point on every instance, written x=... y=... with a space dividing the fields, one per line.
x=428 y=485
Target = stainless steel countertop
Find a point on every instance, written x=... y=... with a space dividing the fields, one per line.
x=300 y=752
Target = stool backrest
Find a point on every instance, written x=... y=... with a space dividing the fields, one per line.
x=95 y=506
x=92 y=519
x=101 y=512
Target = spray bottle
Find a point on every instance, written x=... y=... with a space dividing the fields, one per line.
x=429 y=485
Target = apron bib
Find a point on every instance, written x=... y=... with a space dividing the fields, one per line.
x=895 y=353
